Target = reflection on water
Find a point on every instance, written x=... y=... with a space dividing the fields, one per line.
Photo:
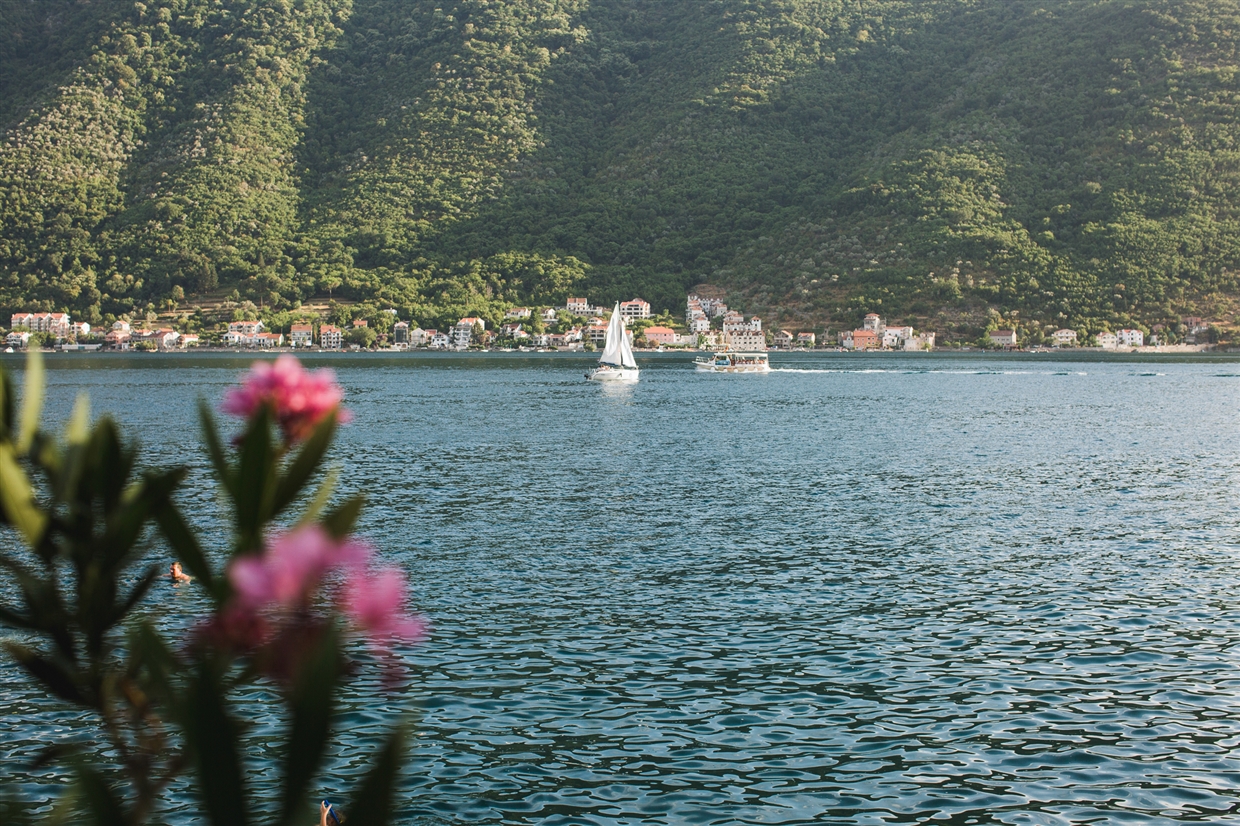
x=959 y=590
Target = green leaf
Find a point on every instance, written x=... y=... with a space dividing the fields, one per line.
x=14 y=620
x=17 y=499
x=339 y=522
x=48 y=672
x=215 y=448
x=371 y=803
x=150 y=657
x=77 y=431
x=321 y=497
x=255 y=481
x=304 y=465
x=129 y=519
x=32 y=400
x=109 y=462
x=185 y=545
x=135 y=596
x=101 y=803
x=312 y=705
x=6 y=405
x=211 y=737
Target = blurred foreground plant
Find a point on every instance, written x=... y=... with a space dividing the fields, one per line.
x=284 y=601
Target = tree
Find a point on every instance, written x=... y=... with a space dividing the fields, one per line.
x=362 y=336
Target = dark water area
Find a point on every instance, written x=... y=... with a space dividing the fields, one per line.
x=862 y=589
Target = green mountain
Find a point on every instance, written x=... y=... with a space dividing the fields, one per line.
x=959 y=164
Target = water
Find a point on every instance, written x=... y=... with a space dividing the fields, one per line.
x=861 y=589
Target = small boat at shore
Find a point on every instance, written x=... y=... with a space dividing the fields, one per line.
x=728 y=362
x=617 y=362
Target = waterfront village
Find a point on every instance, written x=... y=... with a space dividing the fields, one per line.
x=709 y=324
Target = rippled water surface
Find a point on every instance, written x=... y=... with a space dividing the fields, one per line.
x=861 y=589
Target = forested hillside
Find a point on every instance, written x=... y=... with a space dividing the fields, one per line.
x=957 y=163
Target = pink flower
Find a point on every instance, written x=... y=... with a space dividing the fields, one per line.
x=376 y=604
x=298 y=398
x=293 y=567
x=235 y=627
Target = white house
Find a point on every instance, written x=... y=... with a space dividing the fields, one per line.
x=1130 y=338
x=518 y=312
x=18 y=339
x=242 y=333
x=873 y=321
x=782 y=339
x=713 y=307
x=745 y=340
x=1107 y=341
x=578 y=306
x=896 y=336
x=301 y=335
x=548 y=316
x=1003 y=338
x=635 y=308
x=330 y=337
x=734 y=322
x=440 y=341
x=57 y=324
x=1064 y=338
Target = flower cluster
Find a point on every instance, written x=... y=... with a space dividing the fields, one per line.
x=299 y=566
x=298 y=398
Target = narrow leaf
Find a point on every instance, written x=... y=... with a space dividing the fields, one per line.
x=17 y=499
x=312 y=703
x=136 y=595
x=77 y=431
x=49 y=673
x=304 y=465
x=255 y=480
x=32 y=400
x=6 y=405
x=215 y=448
x=372 y=802
x=104 y=808
x=321 y=497
x=54 y=754
x=14 y=620
x=211 y=735
x=339 y=522
x=184 y=544
x=151 y=658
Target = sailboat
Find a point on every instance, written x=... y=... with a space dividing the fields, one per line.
x=617 y=362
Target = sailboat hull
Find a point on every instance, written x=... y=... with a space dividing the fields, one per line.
x=613 y=374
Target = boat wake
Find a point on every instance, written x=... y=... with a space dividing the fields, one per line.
x=911 y=372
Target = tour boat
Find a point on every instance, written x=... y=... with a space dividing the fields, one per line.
x=617 y=362
x=728 y=362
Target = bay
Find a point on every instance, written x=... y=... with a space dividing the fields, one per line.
x=959 y=588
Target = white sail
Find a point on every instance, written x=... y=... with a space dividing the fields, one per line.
x=626 y=349
x=616 y=346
